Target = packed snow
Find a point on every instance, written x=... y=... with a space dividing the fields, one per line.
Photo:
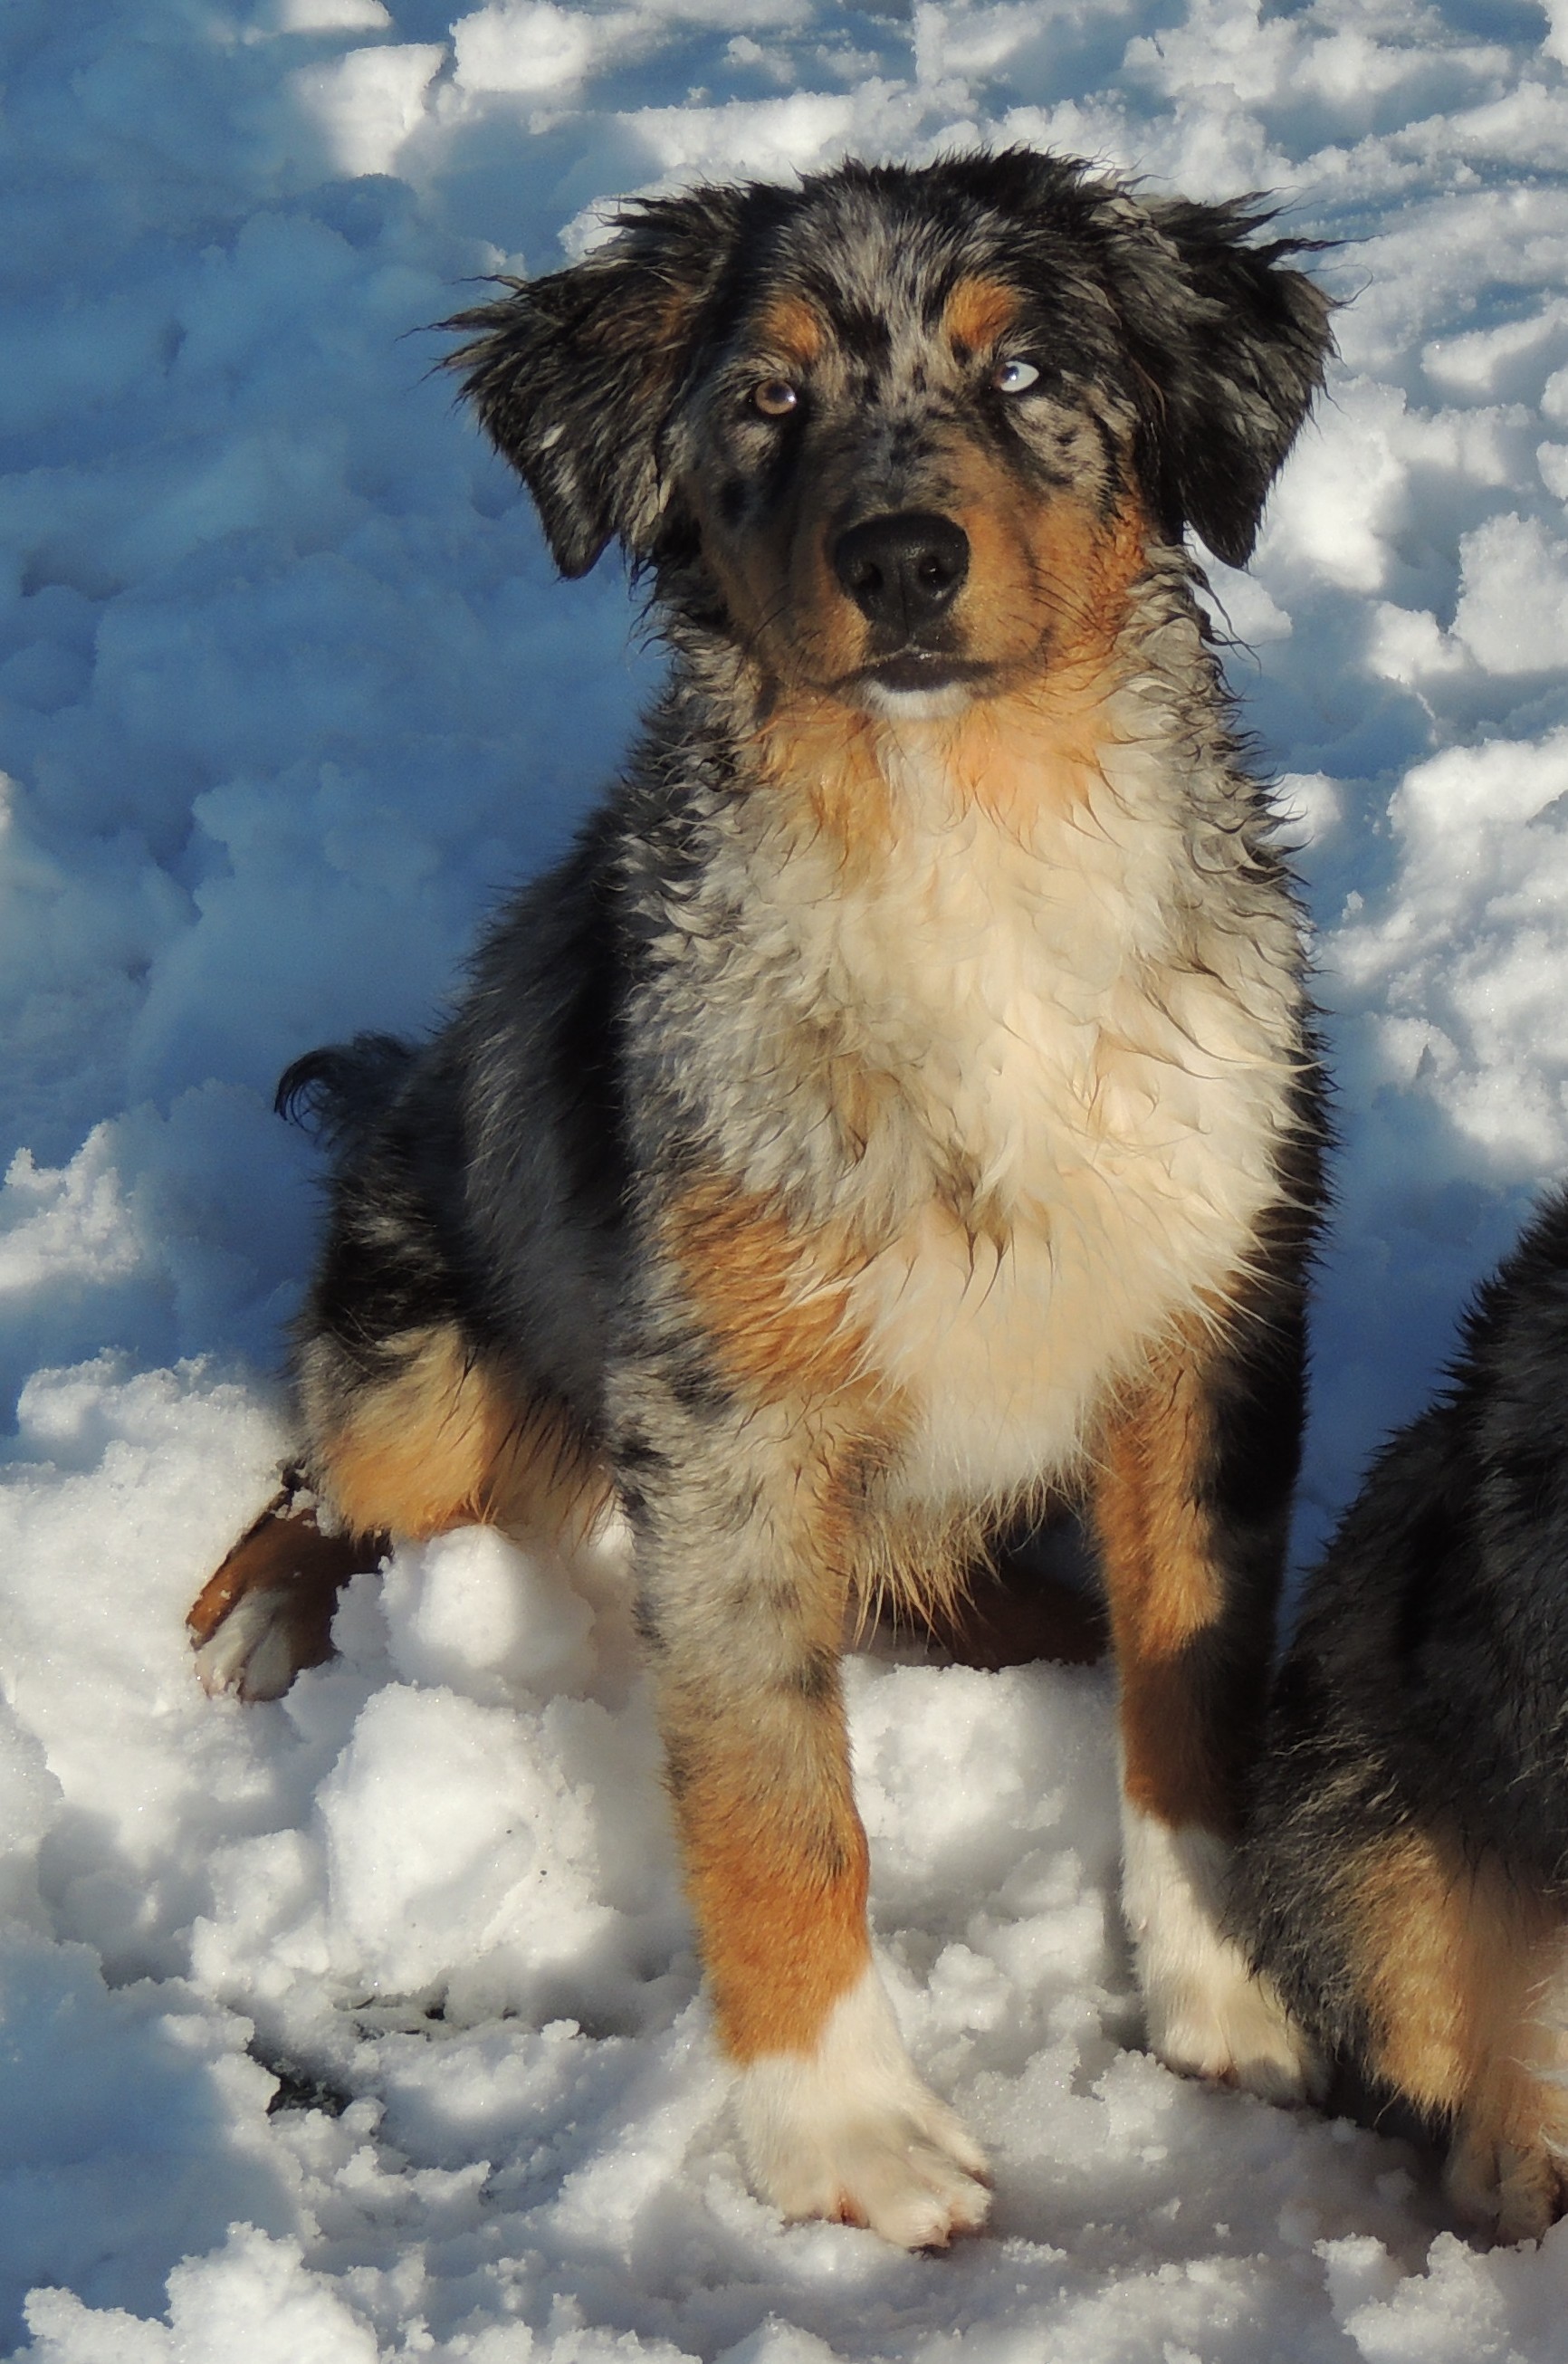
x=367 y=2024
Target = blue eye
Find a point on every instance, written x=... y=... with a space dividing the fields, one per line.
x=1014 y=377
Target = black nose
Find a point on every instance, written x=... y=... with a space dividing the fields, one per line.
x=902 y=571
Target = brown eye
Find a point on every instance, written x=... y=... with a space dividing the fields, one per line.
x=776 y=397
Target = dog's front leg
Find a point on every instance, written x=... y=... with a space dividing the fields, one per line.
x=746 y=1526
x=1191 y=1507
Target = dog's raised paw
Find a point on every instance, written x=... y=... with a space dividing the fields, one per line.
x=253 y=1651
x=266 y=1613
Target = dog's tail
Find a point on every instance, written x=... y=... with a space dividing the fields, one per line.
x=338 y=1092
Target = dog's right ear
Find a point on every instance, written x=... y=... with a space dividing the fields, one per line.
x=575 y=377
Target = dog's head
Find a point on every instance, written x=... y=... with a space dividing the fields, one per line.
x=905 y=435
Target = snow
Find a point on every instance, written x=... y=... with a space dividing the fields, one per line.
x=366 y=2025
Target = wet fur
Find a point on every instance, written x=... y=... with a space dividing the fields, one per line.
x=899 y=1107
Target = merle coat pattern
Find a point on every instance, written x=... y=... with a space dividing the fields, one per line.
x=1406 y=1878
x=902 y=1103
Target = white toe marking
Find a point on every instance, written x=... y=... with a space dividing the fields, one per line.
x=249 y=1651
x=1208 y=2015
x=850 y=2132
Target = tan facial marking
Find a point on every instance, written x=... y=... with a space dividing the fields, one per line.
x=1091 y=565
x=1050 y=579
x=979 y=311
x=789 y=328
x=1039 y=741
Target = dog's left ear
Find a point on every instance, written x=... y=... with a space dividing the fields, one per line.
x=574 y=375
x=1229 y=348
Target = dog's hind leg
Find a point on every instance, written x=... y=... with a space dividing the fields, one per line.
x=1191 y=1507
x=426 y=1439
x=1460 y=1978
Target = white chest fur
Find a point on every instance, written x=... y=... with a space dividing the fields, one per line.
x=1093 y=1057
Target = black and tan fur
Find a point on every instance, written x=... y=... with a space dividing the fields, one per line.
x=902 y=1103
x=1406 y=1876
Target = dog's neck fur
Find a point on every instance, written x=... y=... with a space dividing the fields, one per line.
x=930 y=930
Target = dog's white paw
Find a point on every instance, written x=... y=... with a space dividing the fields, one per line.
x=252 y=1650
x=1232 y=2026
x=849 y=2132
x=1208 y=2014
